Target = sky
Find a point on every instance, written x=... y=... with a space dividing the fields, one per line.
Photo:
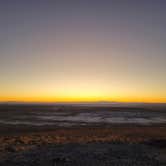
x=83 y=50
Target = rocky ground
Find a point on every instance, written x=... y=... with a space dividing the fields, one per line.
x=93 y=146
x=90 y=154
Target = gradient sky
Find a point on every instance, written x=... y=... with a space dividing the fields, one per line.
x=83 y=50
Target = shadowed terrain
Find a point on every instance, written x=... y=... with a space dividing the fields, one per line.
x=91 y=144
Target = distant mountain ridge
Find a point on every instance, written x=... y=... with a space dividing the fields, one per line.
x=98 y=103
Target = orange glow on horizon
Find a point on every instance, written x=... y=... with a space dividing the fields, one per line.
x=43 y=99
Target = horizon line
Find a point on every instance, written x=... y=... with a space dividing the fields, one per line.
x=78 y=102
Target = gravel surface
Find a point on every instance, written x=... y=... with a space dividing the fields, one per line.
x=90 y=154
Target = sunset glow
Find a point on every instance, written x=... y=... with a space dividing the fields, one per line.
x=61 y=51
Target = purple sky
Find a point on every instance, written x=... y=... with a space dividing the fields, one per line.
x=62 y=50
